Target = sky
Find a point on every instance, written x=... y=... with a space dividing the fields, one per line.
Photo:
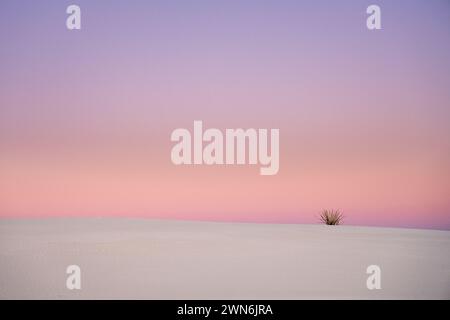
x=86 y=115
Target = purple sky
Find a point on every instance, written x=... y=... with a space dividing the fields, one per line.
x=86 y=115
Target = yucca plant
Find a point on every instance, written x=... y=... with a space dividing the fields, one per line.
x=331 y=217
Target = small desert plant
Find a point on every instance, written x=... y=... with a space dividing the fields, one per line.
x=331 y=217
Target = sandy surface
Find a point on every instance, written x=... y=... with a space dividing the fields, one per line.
x=156 y=259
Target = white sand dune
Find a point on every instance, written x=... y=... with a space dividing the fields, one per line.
x=157 y=259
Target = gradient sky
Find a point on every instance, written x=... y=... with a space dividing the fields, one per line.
x=86 y=116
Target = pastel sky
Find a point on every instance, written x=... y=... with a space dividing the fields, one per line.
x=86 y=116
